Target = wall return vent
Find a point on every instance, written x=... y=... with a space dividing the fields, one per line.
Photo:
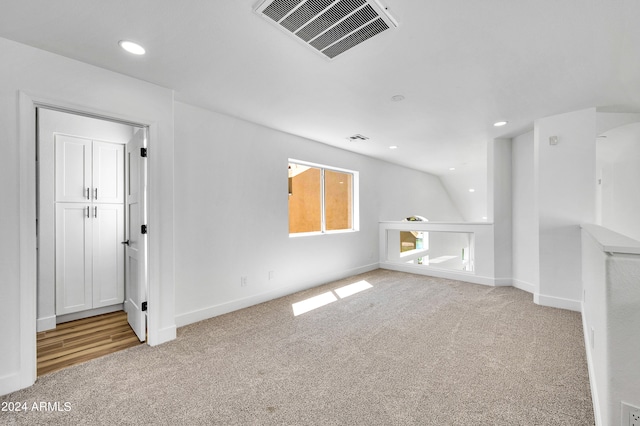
x=330 y=27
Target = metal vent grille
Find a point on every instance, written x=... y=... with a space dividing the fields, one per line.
x=329 y=26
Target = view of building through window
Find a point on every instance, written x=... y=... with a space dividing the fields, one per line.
x=320 y=199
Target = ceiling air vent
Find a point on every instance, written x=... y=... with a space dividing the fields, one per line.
x=358 y=137
x=331 y=27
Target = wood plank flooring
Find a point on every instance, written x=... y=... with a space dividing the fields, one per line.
x=78 y=341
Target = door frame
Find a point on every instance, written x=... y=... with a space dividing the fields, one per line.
x=27 y=133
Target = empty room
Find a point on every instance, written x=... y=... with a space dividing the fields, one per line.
x=320 y=212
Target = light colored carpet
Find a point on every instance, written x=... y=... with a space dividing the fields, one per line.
x=411 y=350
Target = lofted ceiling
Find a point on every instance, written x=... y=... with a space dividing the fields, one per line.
x=460 y=65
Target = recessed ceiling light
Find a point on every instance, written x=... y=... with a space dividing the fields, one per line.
x=452 y=168
x=472 y=190
x=484 y=218
x=132 y=47
x=500 y=123
x=397 y=98
x=393 y=147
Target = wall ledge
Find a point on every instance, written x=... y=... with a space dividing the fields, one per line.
x=610 y=241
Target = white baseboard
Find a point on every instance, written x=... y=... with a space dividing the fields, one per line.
x=10 y=383
x=234 y=305
x=557 y=302
x=592 y=374
x=164 y=335
x=46 y=323
x=525 y=286
x=88 y=313
x=468 y=277
x=503 y=282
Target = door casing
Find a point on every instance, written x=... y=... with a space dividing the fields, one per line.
x=27 y=104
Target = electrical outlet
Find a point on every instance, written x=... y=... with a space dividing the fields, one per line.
x=271 y=275
x=630 y=415
x=243 y=281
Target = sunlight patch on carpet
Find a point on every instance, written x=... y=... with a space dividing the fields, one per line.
x=313 y=303
x=350 y=289
x=323 y=299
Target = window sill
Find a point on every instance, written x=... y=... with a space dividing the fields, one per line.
x=311 y=234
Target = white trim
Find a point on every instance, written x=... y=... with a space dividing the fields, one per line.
x=315 y=234
x=28 y=259
x=557 y=302
x=503 y=282
x=27 y=103
x=611 y=242
x=11 y=383
x=355 y=199
x=320 y=166
x=592 y=372
x=468 y=277
x=89 y=313
x=155 y=194
x=234 y=305
x=164 y=335
x=46 y=323
x=523 y=285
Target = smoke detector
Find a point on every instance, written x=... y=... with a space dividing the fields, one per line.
x=330 y=27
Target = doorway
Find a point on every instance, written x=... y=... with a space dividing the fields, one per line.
x=74 y=342
x=91 y=253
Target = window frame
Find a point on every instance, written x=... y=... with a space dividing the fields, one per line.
x=355 y=200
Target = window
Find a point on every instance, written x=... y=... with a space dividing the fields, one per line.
x=322 y=199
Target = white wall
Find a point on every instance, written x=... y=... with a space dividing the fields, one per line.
x=44 y=76
x=232 y=213
x=525 y=261
x=499 y=205
x=472 y=206
x=49 y=123
x=404 y=192
x=565 y=176
x=618 y=168
x=611 y=318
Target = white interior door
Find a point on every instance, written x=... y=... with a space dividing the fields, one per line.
x=136 y=241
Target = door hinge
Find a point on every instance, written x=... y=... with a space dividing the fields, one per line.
x=144 y=306
x=143 y=229
x=143 y=152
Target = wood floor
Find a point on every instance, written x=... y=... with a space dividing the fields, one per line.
x=81 y=340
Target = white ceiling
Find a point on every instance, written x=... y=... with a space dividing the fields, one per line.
x=461 y=65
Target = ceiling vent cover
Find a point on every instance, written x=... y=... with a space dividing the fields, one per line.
x=358 y=137
x=331 y=27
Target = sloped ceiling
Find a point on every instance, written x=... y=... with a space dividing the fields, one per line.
x=461 y=66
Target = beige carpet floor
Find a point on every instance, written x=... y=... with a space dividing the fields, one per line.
x=410 y=350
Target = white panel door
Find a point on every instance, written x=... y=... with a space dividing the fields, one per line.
x=72 y=169
x=136 y=242
x=108 y=172
x=73 y=258
x=108 y=254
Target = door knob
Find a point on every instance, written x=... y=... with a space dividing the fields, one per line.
x=125 y=242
